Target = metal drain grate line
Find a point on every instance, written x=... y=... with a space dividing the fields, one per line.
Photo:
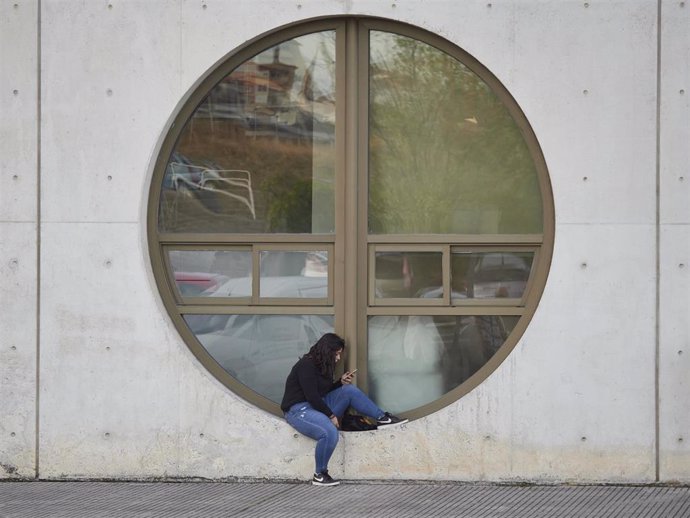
x=677 y=507
x=494 y=500
x=665 y=509
x=591 y=496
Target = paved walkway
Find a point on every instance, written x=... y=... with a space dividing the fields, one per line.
x=349 y=500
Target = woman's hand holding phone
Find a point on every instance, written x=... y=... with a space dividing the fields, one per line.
x=346 y=378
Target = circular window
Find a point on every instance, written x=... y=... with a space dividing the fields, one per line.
x=359 y=176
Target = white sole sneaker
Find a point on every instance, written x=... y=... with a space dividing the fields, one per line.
x=389 y=425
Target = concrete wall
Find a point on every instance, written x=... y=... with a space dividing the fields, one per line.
x=95 y=381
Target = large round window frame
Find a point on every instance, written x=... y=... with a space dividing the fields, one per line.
x=350 y=319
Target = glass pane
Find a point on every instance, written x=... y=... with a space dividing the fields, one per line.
x=212 y=273
x=258 y=154
x=409 y=274
x=294 y=274
x=414 y=360
x=445 y=155
x=259 y=350
x=488 y=275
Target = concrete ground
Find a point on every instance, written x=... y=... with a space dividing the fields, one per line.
x=352 y=500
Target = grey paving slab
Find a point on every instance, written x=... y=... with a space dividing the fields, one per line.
x=354 y=500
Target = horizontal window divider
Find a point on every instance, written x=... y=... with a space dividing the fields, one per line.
x=294 y=247
x=215 y=301
x=409 y=302
x=408 y=247
x=256 y=310
x=458 y=239
x=276 y=301
x=202 y=247
x=488 y=302
x=511 y=247
x=445 y=311
x=243 y=239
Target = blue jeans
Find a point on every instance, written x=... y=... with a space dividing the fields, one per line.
x=312 y=423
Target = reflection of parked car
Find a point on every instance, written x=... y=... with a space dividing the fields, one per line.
x=260 y=350
x=393 y=275
x=287 y=286
x=180 y=172
x=207 y=180
x=501 y=274
x=193 y=284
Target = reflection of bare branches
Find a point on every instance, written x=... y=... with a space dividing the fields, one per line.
x=214 y=180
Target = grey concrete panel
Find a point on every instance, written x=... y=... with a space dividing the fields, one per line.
x=18 y=110
x=109 y=371
x=18 y=260
x=674 y=354
x=592 y=103
x=17 y=349
x=113 y=71
x=674 y=158
x=674 y=252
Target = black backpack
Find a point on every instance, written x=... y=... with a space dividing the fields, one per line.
x=354 y=422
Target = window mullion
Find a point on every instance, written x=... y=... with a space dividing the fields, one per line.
x=361 y=105
x=256 y=265
x=446 y=276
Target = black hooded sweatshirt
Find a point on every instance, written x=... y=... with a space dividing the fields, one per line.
x=306 y=384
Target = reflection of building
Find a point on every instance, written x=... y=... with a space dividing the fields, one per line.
x=280 y=79
x=262 y=85
x=275 y=94
x=256 y=85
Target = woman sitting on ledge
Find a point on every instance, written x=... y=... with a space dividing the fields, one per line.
x=314 y=404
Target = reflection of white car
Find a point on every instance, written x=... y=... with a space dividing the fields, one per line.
x=501 y=275
x=260 y=350
x=206 y=179
x=286 y=286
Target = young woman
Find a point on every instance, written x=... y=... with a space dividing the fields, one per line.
x=314 y=404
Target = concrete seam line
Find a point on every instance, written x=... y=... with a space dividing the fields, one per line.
x=38 y=239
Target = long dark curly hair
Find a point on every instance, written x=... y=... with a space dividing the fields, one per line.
x=323 y=353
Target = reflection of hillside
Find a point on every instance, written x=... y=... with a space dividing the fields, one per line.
x=203 y=212
x=268 y=159
x=274 y=117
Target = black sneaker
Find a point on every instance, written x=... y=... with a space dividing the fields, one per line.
x=389 y=420
x=324 y=479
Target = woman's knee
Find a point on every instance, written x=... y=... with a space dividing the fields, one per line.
x=329 y=434
x=351 y=389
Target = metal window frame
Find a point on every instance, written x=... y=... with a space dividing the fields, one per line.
x=348 y=299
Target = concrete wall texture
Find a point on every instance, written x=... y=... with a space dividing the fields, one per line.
x=95 y=382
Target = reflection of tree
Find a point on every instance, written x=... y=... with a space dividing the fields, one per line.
x=290 y=209
x=442 y=145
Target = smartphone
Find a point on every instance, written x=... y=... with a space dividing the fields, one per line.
x=352 y=372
